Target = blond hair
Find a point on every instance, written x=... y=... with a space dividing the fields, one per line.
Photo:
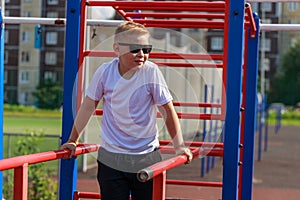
x=128 y=28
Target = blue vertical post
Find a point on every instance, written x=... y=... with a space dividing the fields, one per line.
x=235 y=41
x=266 y=115
x=260 y=128
x=210 y=130
x=68 y=168
x=204 y=132
x=1 y=93
x=250 y=113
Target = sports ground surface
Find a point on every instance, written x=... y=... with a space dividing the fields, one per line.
x=276 y=176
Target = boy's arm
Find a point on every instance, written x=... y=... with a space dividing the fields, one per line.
x=172 y=122
x=83 y=116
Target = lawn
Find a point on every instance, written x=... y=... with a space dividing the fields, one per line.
x=26 y=124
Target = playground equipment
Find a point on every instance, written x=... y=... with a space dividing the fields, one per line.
x=239 y=76
x=238 y=30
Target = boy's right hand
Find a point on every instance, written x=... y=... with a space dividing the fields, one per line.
x=69 y=146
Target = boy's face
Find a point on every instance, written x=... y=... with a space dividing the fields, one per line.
x=133 y=51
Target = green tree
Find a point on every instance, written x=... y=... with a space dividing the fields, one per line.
x=49 y=94
x=286 y=84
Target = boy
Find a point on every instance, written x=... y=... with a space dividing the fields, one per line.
x=132 y=89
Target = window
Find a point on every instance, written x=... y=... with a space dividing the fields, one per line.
x=51 y=38
x=292 y=6
x=25 y=56
x=6 y=57
x=25 y=37
x=26 y=14
x=52 y=2
x=292 y=21
x=6 y=39
x=24 y=77
x=52 y=14
x=266 y=45
x=254 y=6
x=266 y=6
x=48 y=75
x=50 y=58
x=23 y=99
x=7 y=1
x=217 y=43
x=5 y=77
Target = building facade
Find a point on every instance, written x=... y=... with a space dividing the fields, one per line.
x=33 y=52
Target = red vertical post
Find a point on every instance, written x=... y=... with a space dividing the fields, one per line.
x=21 y=182
x=159 y=186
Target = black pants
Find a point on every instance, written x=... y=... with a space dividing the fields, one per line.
x=117 y=175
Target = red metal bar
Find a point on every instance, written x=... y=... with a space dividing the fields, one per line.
x=195 y=183
x=122 y=13
x=225 y=58
x=159 y=186
x=183 y=115
x=191 y=56
x=158 y=168
x=89 y=195
x=199 y=116
x=82 y=42
x=204 y=151
x=192 y=65
x=97 y=53
x=174 y=15
x=180 y=23
x=196 y=104
x=157 y=55
x=19 y=161
x=162 y=5
x=242 y=137
x=195 y=144
x=21 y=182
x=248 y=10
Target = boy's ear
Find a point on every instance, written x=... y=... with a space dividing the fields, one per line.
x=116 y=48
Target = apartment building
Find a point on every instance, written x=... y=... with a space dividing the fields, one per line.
x=269 y=13
x=32 y=52
x=269 y=44
x=290 y=14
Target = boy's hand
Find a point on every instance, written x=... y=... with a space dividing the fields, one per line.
x=69 y=146
x=186 y=151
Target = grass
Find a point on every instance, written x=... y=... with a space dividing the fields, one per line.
x=25 y=120
x=290 y=117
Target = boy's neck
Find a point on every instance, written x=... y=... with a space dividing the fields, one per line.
x=126 y=74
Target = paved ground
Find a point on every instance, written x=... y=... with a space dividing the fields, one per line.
x=276 y=177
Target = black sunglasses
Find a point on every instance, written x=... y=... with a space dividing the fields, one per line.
x=135 y=48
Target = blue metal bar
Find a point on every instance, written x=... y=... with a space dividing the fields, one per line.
x=266 y=130
x=210 y=132
x=68 y=168
x=234 y=54
x=250 y=113
x=213 y=128
x=1 y=93
x=204 y=132
x=260 y=130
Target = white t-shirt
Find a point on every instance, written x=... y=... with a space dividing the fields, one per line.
x=129 y=107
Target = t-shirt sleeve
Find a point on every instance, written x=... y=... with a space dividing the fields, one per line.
x=159 y=89
x=95 y=88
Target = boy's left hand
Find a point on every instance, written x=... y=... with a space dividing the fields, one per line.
x=186 y=151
